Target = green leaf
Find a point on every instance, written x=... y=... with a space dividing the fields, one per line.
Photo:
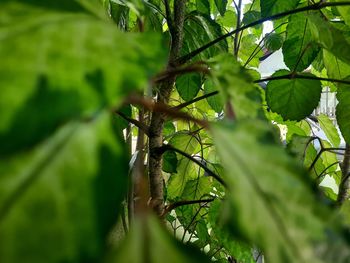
x=59 y=200
x=203 y=6
x=274 y=41
x=293 y=99
x=215 y=101
x=271 y=7
x=342 y=110
x=235 y=84
x=188 y=86
x=239 y=250
x=299 y=49
x=149 y=242
x=229 y=20
x=169 y=162
x=329 y=129
x=335 y=40
x=199 y=29
x=186 y=169
x=344 y=12
x=336 y=68
x=221 y=6
x=262 y=179
x=169 y=128
x=250 y=52
x=194 y=190
x=329 y=158
x=250 y=17
x=52 y=70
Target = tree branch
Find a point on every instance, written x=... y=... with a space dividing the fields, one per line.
x=344 y=186
x=235 y=41
x=160 y=107
x=174 y=205
x=316 y=6
x=198 y=66
x=137 y=123
x=320 y=153
x=299 y=76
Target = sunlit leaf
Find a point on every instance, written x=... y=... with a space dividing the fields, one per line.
x=329 y=129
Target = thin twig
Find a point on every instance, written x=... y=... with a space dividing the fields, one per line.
x=175 y=205
x=168 y=147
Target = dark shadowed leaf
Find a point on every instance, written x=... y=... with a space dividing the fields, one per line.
x=169 y=162
x=221 y=6
x=188 y=86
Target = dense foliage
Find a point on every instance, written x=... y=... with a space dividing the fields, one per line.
x=141 y=131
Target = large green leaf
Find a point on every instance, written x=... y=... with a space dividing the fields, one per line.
x=299 y=49
x=335 y=40
x=293 y=99
x=188 y=85
x=149 y=242
x=271 y=7
x=57 y=66
x=59 y=200
x=342 y=111
x=262 y=179
x=329 y=129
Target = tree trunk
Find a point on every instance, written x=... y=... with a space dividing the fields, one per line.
x=344 y=186
x=157 y=120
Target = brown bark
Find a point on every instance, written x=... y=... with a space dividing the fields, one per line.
x=344 y=185
x=157 y=120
